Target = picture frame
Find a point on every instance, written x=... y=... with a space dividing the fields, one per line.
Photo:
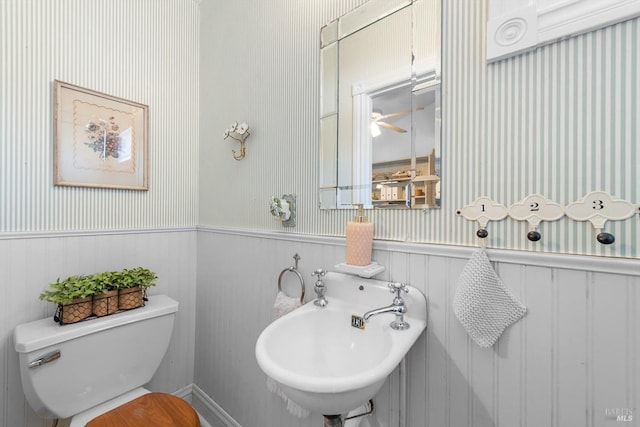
x=100 y=140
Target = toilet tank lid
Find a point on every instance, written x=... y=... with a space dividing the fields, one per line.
x=46 y=332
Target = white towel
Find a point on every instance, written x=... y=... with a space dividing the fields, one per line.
x=285 y=304
x=292 y=407
x=482 y=303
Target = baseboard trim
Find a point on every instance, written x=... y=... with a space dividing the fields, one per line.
x=209 y=409
x=184 y=393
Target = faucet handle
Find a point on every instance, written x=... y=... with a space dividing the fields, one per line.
x=320 y=272
x=397 y=288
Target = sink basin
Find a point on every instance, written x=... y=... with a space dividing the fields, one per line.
x=326 y=365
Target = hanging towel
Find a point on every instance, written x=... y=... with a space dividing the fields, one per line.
x=482 y=303
x=285 y=304
x=292 y=407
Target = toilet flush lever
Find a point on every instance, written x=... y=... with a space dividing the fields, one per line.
x=49 y=357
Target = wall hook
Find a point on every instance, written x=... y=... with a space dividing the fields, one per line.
x=482 y=233
x=599 y=207
x=534 y=209
x=240 y=133
x=605 y=238
x=483 y=210
x=534 y=235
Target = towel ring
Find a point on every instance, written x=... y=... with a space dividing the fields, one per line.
x=293 y=270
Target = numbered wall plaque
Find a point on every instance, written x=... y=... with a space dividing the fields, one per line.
x=534 y=209
x=483 y=210
x=598 y=207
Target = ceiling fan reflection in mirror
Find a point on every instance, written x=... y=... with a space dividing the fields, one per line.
x=377 y=120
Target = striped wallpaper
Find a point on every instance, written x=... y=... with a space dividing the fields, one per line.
x=561 y=121
x=145 y=51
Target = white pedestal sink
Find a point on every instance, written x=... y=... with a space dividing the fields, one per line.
x=326 y=365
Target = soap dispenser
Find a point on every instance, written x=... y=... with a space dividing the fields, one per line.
x=359 y=239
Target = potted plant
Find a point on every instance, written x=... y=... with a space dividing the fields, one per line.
x=105 y=299
x=73 y=297
x=133 y=284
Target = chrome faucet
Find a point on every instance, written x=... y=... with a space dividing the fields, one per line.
x=398 y=307
x=319 y=287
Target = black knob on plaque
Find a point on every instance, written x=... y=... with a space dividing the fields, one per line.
x=534 y=236
x=482 y=233
x=605 y=238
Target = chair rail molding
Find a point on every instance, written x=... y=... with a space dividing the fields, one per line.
x=517 y=26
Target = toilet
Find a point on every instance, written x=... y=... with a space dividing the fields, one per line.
x=94 y=371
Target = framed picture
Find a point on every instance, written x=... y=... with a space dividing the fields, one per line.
x=99 y=140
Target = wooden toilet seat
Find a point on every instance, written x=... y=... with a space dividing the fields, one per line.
x=151 y=409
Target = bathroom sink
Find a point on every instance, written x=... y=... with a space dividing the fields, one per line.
x=326 y=365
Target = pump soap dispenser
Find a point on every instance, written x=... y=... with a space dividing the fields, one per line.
x=359 y=239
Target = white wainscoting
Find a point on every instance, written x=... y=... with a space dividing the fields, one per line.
x=29 y=262
x=571 y=358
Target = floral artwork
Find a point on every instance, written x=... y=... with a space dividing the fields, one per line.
x=100 y=140
x=104 y=138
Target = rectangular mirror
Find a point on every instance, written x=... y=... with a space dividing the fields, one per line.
x=380 y=106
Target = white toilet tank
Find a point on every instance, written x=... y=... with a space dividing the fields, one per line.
x=99 y=359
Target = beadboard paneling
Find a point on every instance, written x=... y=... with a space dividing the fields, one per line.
x=29 y=264
x=573 y=356
x=145 y=51
x=560 y=121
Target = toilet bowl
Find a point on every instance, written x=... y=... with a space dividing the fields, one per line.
x=93 y=371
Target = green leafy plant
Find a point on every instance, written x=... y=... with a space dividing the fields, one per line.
x=82 y=286
x=65 y=291
x=134 y=277
x=104 y=282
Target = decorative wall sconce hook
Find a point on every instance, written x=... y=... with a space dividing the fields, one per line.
x=240 y=133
